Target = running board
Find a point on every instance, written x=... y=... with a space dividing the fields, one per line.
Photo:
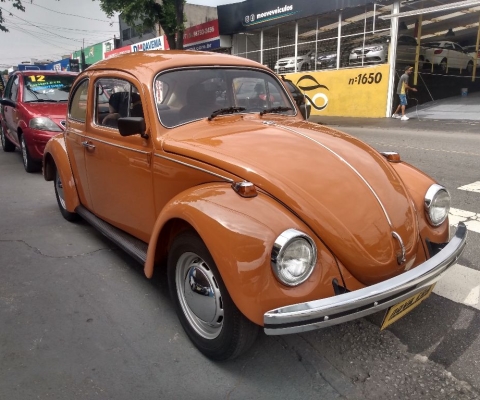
x=133 y=246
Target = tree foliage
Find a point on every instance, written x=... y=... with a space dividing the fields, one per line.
x=169 y=14
x=16 y=4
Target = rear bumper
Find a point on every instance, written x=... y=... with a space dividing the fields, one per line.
x=371 y=299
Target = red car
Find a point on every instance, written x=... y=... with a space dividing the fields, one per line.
x=33 y=109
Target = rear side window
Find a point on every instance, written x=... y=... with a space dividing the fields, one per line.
x=78 y=105
x=11 y=91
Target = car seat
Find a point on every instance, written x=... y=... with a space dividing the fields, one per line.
x=200 y=103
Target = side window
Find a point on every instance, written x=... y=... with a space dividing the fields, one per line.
x=114 y=99
x=78 y=105
x=11 y=92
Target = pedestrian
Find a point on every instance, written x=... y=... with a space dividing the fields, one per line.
x=402 y=88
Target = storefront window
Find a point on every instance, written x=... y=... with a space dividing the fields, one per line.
x=312 y=44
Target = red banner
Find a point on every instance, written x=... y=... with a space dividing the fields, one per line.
x=202 y=32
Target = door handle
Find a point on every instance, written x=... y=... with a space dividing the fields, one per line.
x=88 y=145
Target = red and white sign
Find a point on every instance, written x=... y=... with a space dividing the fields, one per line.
x=198 y=34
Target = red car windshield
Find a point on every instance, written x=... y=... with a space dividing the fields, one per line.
x=47 y=87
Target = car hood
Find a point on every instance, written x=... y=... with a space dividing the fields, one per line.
x=344 y=190
x=55 y=111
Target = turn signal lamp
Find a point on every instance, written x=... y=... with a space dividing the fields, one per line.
x=392 y=156
x=245 y=189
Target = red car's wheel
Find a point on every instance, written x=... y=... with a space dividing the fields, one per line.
x=29 y=164
x=207 y=313
x=7 y=145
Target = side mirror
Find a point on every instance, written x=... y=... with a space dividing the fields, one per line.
x=130 y=126
x=305 y=110
x=8 y=102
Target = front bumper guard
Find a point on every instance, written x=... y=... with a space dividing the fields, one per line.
x=335 y=310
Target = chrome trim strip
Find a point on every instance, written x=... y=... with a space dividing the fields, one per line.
x=346 y=307
x=401 y=258
x=344 y=161
x=116 y=145
x=195 y=167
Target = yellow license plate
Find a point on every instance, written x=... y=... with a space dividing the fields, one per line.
x=397 y=311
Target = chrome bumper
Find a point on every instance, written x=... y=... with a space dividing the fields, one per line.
x=346 y=307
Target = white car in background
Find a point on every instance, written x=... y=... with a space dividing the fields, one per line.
x=446 y=54
x=287 y=64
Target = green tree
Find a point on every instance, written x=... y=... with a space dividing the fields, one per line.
x=17 y=4
x=169 y=14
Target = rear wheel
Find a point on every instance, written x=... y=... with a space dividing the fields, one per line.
x=29 y=164
x=206 y=311
x=59 y=194
x=469 y=68
x=7 y=145
x=443 y=65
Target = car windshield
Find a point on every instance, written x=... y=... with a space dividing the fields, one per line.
x=187 y=95
x=47 y=87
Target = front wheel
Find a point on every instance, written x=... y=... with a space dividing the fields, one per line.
x=59 y=194
x=29 y=164
x=206 y=311
x=443 y=65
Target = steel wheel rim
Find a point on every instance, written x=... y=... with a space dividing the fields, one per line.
x=24 y=152
x=199 y=295
x=59 y=188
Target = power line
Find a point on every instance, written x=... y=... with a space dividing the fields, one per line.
x=72 y=29
x=24 y=20
x=74 y=15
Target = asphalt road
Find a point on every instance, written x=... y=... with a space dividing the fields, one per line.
x=80 y=321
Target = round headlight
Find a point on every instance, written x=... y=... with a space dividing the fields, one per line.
x=294 y=256
x=437 y=204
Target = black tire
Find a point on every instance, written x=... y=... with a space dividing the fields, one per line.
x=29 y=164
x=7 y=145
x=443 y=65
x=69 y=216
x=469 y=69
x=421 y=63
x=199 y=295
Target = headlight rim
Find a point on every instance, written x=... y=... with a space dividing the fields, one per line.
x=430 y=195
x=281 y=244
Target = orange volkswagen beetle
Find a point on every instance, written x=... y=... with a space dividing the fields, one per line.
x=261 y=218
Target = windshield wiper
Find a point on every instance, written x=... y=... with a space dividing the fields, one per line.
x=229 y=110
x=275 y=110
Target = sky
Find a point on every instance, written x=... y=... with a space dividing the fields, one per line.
x=49 y=29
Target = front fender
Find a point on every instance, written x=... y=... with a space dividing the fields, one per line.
x=417 y=184
x=55 y=158
x=239 y=233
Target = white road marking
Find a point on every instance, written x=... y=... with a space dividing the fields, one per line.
x=471 y=219
x=461 y=285
x=472 y=187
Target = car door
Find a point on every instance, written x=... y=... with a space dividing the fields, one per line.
x=119 y=169
x=463 y=57
x=10 y=110
x=75 y=138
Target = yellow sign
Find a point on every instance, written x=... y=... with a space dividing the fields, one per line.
x=399 y=310
x=355 y=92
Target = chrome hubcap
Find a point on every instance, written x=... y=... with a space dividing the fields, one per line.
x=199 y=295
x=59 y=187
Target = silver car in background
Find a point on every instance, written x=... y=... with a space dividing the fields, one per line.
x=287 y=64
x=377 y=52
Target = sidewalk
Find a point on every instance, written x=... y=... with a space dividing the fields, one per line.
x=452 y=114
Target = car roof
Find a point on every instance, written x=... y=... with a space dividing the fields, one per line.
x=154 y=61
